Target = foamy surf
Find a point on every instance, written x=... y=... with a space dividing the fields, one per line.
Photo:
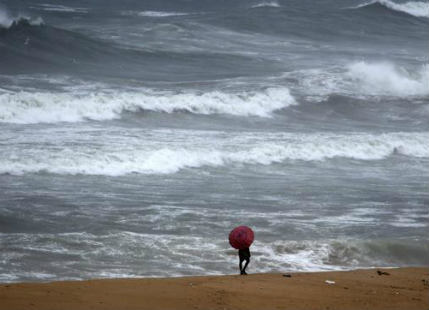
x=169 y=153
x=266 y=4
x=362 y=79
x=133 y=139
x=153 y=13
x=7 y=21
x=39 y=107
x=414 y=8
x=388 y=79
x=179 y=252
x=60 y=8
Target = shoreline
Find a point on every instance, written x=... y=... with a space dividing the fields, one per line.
x=375 y=288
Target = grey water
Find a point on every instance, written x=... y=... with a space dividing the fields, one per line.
x=134 y=135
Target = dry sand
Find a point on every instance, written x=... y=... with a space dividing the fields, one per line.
x=402 y=288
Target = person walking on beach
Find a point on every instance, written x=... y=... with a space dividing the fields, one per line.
x=244 y=255
x=241 y=238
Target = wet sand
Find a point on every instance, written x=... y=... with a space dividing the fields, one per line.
x=401 y=288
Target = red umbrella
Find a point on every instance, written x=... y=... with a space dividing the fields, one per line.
x=241 y=237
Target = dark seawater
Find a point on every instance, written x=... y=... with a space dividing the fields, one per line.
x=134 y=135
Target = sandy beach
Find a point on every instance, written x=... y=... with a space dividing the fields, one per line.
x=400 y=288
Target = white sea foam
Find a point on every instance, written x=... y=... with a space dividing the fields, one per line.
x=415 y=8
x=61 y=8
x=410 y=217
x=362 y=79
x=39 y=107
x=388 y=79
x=175 y=254
x=167 y=155
x=6 y=20
x=153 y=13
x=272 y=4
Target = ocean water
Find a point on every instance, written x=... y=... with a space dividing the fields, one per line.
x=134 y=135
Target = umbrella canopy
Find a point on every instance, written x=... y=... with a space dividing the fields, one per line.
x=241 y=237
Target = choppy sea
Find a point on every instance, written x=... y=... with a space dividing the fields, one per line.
x=134 y=135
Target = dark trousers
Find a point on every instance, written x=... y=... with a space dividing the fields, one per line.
x=244 y=255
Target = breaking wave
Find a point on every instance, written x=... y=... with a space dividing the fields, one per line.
x=414 y=8
x=127 y=157
x=29 y=108
x=60 y=8
x=270 y=4
x=342 y=254
x=387 y=79
x=183 y=254
x=7 y=21
x=153 y=13
x=362 y=79
x=358 y=79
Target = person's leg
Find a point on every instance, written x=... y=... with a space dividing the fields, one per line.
x=241 y=265
x=243 y=271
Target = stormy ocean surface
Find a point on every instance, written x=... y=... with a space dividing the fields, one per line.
x=134 y=135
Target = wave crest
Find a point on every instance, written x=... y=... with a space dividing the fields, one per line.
x=153 y=13
x=361 y=80
x=28 y=108
x=60 y=8
x=189 y=150
x=7 y=21
x=265 y=4
x=387 y=79
x=414 y=8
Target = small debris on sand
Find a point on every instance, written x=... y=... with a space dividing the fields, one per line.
x=380 y=273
